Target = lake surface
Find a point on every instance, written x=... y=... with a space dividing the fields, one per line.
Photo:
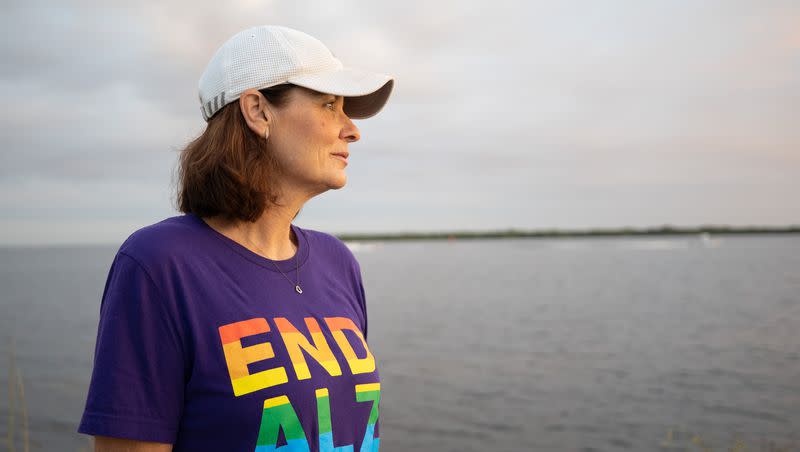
x=605 y=344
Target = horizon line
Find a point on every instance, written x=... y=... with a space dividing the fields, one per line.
x=624 y=231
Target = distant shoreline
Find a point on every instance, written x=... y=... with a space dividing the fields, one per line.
x=566 y=233
x=704 y=233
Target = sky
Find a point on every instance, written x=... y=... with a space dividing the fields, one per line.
x=505 y=114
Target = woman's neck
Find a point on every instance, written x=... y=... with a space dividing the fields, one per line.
x=270 y=236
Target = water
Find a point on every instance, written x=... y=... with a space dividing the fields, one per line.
x=668 y=343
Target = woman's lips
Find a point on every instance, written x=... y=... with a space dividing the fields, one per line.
x=340 y=157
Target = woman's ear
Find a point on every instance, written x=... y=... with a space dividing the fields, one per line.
x=256 y=112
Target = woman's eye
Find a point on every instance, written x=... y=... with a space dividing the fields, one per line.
x=332 y=105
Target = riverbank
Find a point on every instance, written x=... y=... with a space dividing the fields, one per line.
x=704 y=231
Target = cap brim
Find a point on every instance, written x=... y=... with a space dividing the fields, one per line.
x=365 y=93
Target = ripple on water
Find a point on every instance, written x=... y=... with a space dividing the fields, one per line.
x=619 y=442
x=746 y=413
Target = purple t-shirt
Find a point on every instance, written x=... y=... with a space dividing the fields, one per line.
x=204 y=344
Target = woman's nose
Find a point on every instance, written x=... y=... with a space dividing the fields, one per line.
x=350 y=132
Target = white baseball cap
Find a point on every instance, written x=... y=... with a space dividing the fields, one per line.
x=269 y=55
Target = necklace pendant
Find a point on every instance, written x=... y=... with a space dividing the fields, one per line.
x=298 y=289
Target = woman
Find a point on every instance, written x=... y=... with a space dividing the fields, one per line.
x=229 y=328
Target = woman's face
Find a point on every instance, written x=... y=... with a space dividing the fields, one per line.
x=305 y=134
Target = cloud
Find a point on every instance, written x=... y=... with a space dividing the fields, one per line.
x=510 y=113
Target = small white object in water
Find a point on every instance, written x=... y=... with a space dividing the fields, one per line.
x=708 y=242
x=361 y=246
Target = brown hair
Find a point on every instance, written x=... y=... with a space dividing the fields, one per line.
x=228 y=170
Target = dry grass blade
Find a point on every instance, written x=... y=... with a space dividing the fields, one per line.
x=12 y=398
x=23 y=406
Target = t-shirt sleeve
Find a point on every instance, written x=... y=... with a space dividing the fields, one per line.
x=136 y=389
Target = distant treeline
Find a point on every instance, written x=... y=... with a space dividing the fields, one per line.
x=512 y=233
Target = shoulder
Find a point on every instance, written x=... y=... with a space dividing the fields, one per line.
x=161 y=242
x=325 y=244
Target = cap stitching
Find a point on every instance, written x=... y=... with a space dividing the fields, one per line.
x=291 y=51
x=226 y=64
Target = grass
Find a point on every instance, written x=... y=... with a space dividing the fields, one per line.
x=16 y=396
x=18 y=407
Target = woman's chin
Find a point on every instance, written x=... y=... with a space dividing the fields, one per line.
x=338 y=182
